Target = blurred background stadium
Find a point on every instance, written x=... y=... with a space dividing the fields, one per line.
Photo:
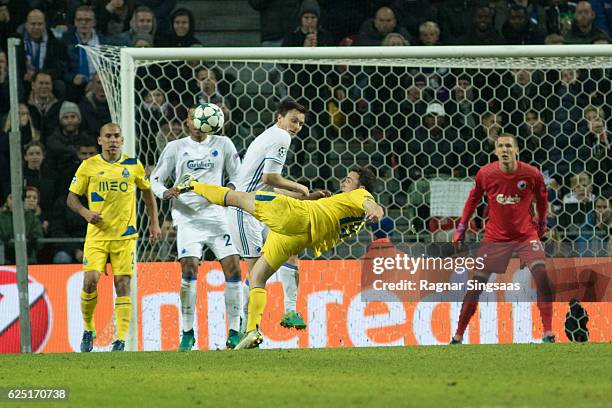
x=426 y=130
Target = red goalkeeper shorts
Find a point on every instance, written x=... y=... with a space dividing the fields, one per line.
x=497 y=254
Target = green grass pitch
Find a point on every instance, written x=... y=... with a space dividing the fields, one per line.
x=531 y=375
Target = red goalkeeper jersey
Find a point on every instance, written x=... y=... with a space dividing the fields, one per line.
x=510 y=202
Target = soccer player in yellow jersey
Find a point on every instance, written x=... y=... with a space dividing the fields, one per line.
x=319 y=223
x=110 y=180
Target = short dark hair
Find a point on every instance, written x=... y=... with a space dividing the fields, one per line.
x=367 y=178
x=204 y=67
x=87 y=140
x=464 y=77
x=518 y=7
x=36 y=9
x=143 y=9
x=86 y=8
x=42 y=72
x=34 y=143
x=286 y=105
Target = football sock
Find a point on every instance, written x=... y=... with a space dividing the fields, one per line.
x=233 y=295
x=470 y=303
x=214 y=194
x=188 y=300
x=123 y=311
x=245 y=305
x=544 y=295
x=88 y=307
x=257 y=304
x=467 y=311
x=546 y=315
x=287 y=275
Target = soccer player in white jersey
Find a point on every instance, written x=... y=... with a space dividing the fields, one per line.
x=200 y=223
x=261 y=170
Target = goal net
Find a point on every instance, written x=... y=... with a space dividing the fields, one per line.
x=424 y=119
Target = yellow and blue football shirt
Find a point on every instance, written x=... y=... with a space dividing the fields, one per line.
x=337 y=217
x=110 y=189
x=298 y=224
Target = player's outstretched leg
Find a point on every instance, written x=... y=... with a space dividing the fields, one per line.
x=219 y=195
x=89 y=300
x=260 y=273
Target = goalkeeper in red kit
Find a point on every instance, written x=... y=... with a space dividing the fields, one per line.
x=510 y=187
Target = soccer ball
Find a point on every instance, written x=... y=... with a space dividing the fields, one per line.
x=208 y=118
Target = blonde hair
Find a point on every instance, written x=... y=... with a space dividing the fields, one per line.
x=33 y=131
x=429 y=26
x=554 y=39
x=392 y=39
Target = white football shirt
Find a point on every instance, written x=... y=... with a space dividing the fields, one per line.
x=208 y=161
x=266 y=154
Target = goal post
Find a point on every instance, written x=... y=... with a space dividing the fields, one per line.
x=374 y=129
x=422 y=117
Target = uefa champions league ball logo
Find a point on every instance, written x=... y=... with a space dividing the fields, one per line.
x=208 y=118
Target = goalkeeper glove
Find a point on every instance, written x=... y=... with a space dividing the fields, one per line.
x=184 y=184
x=542 y=228
x=459 y=235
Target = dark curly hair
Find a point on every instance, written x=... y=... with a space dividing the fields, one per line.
x=367 y=178
x=286 y=105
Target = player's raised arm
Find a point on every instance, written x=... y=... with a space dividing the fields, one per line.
x=541 y=198
x=471 y=203
x=278 y=181
x=374 y=212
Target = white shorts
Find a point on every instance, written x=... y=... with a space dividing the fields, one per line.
x=191 y=238
x=247 y=232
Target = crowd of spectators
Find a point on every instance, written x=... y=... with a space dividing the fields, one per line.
x=423 y=123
